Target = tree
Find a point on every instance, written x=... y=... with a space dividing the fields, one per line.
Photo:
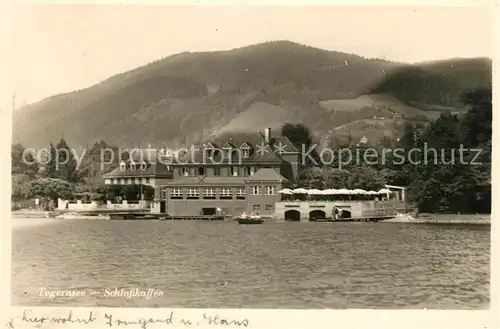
x=366 y=178
x=301 y=138
x=477 y=122
x=98 y=160
x=49 y=189
x=66 y=163
x=443 y=180
x=20 y=185
x=23 y=162
x=50 y=168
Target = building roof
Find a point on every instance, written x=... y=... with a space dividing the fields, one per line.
x=396 y=187
x=260 y=150
x=152 y=170
x=252 y=139
x=266 y=174
x=137 y=155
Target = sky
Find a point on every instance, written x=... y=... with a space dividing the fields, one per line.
x=61 y=48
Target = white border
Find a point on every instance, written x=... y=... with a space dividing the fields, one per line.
x=257 y=318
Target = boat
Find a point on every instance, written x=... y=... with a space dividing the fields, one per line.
x=249 y=220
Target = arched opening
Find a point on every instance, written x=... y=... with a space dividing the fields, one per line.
x=317 y=214
x=292 y=215
x=345 y=214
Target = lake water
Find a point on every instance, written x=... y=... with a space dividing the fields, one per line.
x=273 y=265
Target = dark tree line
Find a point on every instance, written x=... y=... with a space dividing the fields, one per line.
x=55 y=172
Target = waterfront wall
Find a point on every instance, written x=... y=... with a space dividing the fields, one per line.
x=304 y=210
x=95 y=205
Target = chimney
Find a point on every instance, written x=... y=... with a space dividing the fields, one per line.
x=267 y=135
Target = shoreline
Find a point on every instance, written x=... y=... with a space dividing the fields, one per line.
x=32 y=218
x=441 y=219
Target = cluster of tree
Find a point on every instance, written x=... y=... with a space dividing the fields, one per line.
x=56 y=173
x=460 y=180
x=446 y=165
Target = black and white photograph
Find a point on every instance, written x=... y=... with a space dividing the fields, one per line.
x=250 y=157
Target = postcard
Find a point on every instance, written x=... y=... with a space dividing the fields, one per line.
x=248 y=165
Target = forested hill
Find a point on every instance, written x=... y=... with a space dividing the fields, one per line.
x=438 y=83
x=186 y=97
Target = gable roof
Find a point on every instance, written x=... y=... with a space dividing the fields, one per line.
x=152 y=170
x=228 y=145
x=209 y=146
x=266 y=174
x=262 y=152
x=253 y=139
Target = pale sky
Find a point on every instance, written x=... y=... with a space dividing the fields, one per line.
x=62 y=48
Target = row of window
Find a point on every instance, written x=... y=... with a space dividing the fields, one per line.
x=268 y=207
x=227 y=152
x=224 y=192
x=202 y=171
x=143 y=180
x=133 y=166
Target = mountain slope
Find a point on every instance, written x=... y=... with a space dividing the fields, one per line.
x=439 y=83
x=182 y=98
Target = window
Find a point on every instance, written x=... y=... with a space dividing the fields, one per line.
x=240 y=193
x=201 y=171
x=226 y=193
x=132 y=166
x=193 y=193
x=245 y=153
x=137 y=180
x=163 y=193
x=216 y=171
x=122 y=181
x=143 y=165
x=122 y=166
x=255 y=190
x=184 y=171
x=115 y=181
x=209 y=193
x=233 y=171
x=208 y=154
x=269 y=207
x=176 y=193
x=256 y=207
x=147 y=180
x=249 y=171
x=270 y=190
